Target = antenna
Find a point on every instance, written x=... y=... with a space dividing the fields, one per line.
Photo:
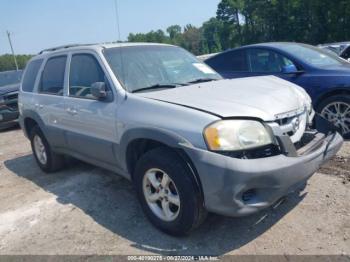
x=117 y=19
x=13 y=52
x=119 y=40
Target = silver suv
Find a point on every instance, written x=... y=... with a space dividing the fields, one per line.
x=189 y=141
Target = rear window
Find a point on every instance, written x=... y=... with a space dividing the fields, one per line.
x=30 y=75
x=232 y=61
x=52 y=78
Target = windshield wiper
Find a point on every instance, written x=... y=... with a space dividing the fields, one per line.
x=156 y=86
x=202 y=80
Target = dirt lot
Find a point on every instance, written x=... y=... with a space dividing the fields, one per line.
x=87 y=210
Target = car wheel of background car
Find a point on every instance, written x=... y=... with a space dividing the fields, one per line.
x=336 y=109
x=47 y=160
x=168 y=193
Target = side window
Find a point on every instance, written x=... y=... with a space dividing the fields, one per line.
x=234 y=61
x=30 y=75
x=84 y=71
x=266 y=61
x=238 y=60
x=52 y=78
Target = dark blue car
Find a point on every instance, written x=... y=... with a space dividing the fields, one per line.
x=324 y=75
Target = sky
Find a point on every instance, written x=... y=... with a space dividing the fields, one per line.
x=38 y=24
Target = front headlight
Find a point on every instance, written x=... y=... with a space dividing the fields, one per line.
x=231 y=135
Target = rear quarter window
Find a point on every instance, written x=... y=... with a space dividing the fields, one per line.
x=30 y=75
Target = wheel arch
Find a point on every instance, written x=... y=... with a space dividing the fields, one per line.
x=329 y=93
x=139 y=141
x=31 y=119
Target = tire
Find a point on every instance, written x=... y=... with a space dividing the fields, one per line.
x=53 y=162
x=340 y=119
x=185 y=216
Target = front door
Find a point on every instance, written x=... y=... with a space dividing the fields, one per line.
x=90 y=123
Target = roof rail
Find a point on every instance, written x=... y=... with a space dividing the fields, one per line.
x=61 y=47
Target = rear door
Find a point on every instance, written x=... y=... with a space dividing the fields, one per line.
x=49 y=102
x=90 y=123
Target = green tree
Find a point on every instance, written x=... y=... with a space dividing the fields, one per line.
x=7 y=63
x=229 y=13
x=152 y=36
x=174 y=31
x=192 y=39
x=211 y=31
x=311 y=21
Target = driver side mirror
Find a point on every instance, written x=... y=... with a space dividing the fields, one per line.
x=289 y=69
x=99 y=90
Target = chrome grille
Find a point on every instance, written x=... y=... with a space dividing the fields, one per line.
x=294 y=126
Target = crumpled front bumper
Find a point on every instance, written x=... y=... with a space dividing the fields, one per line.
x=237 y=187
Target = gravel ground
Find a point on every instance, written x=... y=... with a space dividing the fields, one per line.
x=88 y=210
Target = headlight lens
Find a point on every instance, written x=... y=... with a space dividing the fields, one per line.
x=231 y=135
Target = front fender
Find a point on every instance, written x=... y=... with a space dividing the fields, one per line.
x=163 y=136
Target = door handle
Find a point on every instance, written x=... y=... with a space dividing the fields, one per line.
x=39 y=106
x=71 y=111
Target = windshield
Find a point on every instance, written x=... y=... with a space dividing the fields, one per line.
x=312 y=55
x=10 y=77
x=140 y=67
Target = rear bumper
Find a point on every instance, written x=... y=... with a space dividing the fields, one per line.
x=238 y=187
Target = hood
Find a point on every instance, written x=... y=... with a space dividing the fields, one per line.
x=259 y=97
x=9 y=88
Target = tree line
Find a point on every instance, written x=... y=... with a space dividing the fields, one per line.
x=7 y=62
x=241 y=22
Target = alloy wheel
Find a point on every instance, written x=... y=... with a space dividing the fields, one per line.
x=40 y=150
x=161 y=194
x=339 y=114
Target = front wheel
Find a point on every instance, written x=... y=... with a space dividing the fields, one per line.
x=336 y=109
x=167 y=192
